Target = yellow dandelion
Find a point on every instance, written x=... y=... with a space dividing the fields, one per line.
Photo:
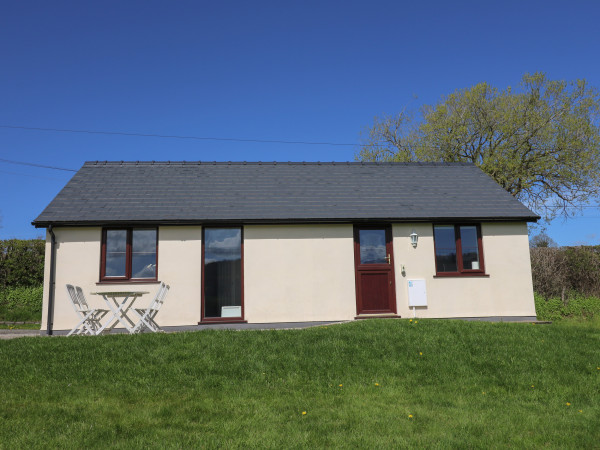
x=376 y=384
x=341 y=385
x=568 y=404
x=532 y=385
x=303 y=413
x=580 y=410
x=410 y=320
x=410 y=416
x=416 y=321
x=421 y=353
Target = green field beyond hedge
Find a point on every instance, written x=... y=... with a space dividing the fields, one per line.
x=377 y=383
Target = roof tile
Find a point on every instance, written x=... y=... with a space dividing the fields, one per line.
x=104 y=192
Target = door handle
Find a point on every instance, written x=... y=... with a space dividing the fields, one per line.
x=389 y=258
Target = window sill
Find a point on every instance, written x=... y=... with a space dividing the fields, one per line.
x=128 y=282
x=462 y=275
x=217 y=320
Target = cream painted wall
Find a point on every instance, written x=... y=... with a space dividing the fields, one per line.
x=508 y=291
x=179 y=265
x=78 y=263
x=296 y=273
x=46 y=283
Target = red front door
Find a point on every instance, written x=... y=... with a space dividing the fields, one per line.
x=374 y=263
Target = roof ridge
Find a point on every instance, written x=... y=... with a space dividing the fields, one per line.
x=273 y=163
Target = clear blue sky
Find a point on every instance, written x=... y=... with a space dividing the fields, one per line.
x=301 y=71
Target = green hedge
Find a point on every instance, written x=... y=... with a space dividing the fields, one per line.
x=562 y=272
x=22 y=303
x=21 y=262
x=578 y=306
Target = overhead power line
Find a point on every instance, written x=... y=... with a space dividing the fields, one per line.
x=31 y=175
x=569 y=206
x=199 y=138
x=43 y=166
x=173 y=136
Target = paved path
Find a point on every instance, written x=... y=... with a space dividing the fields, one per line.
x=12 y=334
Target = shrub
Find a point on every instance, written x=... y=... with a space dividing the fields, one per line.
x=579 y=306
x=583 y=265
x=562 y=272
x=22 y=303
x=21 y=262
x=549 y=271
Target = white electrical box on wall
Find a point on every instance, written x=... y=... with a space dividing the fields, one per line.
x=417 y=293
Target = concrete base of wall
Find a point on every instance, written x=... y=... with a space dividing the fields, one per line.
x=219 y=326
x=290 y=325
x=250 y=326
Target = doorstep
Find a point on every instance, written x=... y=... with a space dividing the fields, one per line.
x=377 y=316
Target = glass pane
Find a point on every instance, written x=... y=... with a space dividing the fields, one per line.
x=143 y=254
x=445 y=248
x=222 y=272
x=470 y=249
x=372 y=247
x=116 y=253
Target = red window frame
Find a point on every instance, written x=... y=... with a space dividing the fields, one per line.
x=127 y=277
x=462 y=272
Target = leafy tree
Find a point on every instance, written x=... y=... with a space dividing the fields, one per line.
x=540 y=142
x=542 y=240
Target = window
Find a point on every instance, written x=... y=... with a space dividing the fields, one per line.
x=458 y=250
x=129 y=254
x=222 y=272
x=373 y=248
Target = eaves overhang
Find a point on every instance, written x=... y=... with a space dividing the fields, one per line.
x=282 y=221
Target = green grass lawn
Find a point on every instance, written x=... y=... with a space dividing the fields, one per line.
x=378 y=383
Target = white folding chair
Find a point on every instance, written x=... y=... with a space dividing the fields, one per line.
x=146 y=315
x=90 y=318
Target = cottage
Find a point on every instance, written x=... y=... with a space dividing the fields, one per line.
x=290 y=242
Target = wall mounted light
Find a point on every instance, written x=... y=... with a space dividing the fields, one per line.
x=414 y=238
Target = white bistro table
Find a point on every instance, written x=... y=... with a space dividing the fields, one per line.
x=118 y=302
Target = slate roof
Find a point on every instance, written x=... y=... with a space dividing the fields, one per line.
x=199 y=192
